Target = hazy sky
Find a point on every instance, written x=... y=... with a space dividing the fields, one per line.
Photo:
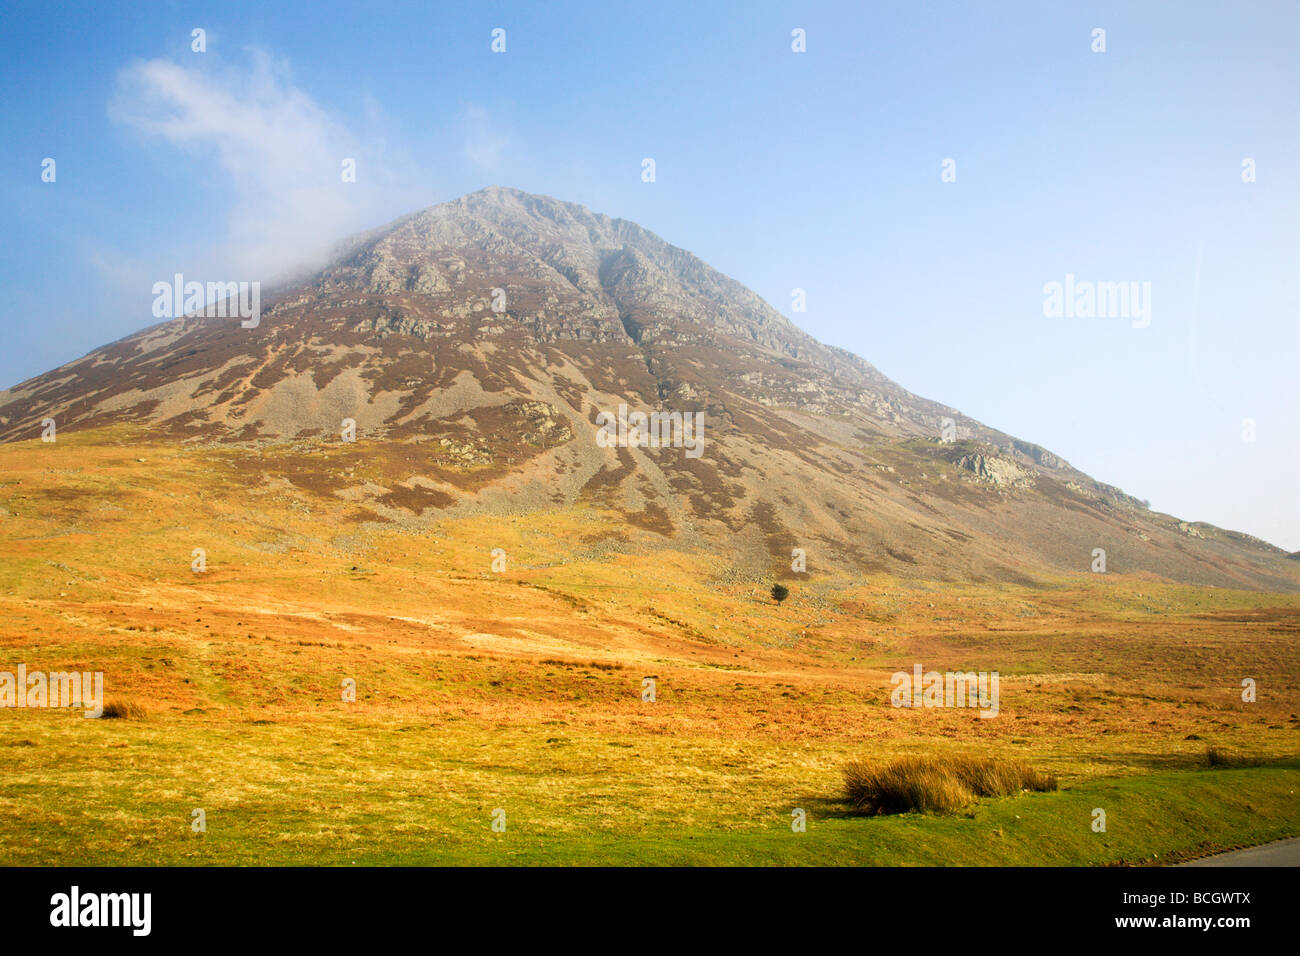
x=818 y=170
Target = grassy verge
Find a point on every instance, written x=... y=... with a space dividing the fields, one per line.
x=331 y=793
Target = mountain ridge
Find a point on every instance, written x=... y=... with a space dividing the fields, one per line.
x=461 y=328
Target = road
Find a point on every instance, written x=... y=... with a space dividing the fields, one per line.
x=1280 y=853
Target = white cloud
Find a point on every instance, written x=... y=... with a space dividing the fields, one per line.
x=281 y=152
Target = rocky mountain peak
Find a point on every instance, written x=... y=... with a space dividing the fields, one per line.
x=479 y=343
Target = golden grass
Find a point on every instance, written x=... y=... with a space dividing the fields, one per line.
x=525 y=686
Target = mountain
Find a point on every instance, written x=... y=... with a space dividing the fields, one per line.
x=480 y=410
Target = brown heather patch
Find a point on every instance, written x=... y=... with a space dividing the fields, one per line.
x=570 y=391
x=609 y=479
x=326 y=372
x=779 y=539
x=415 y=498
x=653 y=518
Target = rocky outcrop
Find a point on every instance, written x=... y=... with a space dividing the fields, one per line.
x=996 y=470
x=545 y=426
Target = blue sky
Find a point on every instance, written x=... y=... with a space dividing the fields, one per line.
x=817 y=170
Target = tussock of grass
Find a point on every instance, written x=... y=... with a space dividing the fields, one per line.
x=936 y=784
x=123 y=710
x=1219 y=757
